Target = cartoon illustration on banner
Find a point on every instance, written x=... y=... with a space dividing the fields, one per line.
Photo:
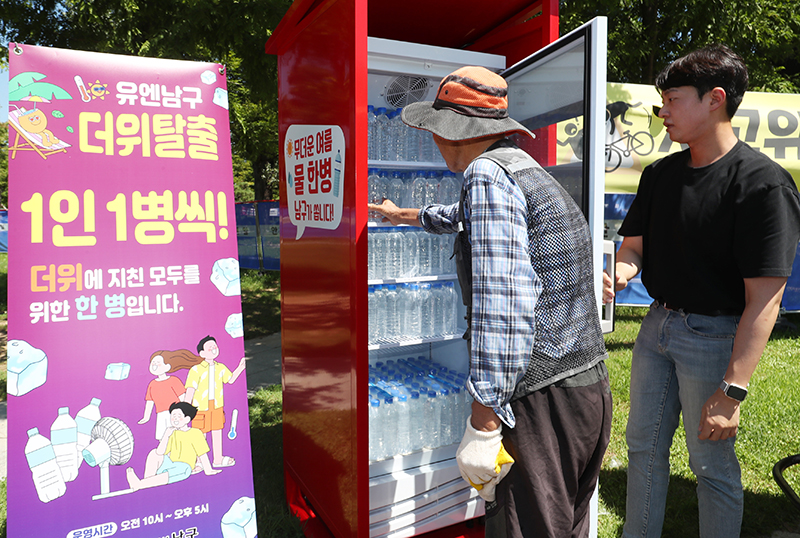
x=635 y=135
x=125 y=347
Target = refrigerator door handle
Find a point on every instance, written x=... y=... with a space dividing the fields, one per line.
x=610 y=258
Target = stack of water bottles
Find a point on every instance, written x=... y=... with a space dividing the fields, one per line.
x=415 y=404
x=412 y=311
x=389 y=139
x=417 y=188
x=396 y=252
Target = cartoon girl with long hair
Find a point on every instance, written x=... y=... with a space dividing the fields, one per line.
x=165 y=389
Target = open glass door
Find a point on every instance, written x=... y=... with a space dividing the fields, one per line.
x=566 y=82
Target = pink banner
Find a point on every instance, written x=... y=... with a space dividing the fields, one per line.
x=125 y=418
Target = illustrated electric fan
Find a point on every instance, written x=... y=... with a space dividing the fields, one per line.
x=112 y=444
x=403 y=90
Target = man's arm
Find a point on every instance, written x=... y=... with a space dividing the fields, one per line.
x=396 y=215
x=720 y=417
x=629 y=263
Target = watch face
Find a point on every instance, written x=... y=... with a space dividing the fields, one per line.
x=737 y=393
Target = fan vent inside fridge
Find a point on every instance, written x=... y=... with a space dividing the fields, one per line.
x=404 y=90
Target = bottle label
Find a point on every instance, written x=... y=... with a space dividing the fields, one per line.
x=40 y=456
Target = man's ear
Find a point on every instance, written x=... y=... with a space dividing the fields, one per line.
x=718 y=98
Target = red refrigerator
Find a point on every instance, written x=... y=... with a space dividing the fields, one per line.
x=336 y=58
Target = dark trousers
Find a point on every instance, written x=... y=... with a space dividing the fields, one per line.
x=558 y=445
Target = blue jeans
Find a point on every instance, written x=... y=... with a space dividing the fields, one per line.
x=679 y=361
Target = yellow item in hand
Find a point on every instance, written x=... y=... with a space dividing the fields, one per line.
x=503 y=457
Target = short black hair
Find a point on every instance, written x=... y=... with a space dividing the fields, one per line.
x=188 y=409
x=708 y=68
x=203 y=341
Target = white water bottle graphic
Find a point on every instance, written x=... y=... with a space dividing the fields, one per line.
x=42 y=463
x=337 y=173
x=86 y=419
x=64 y=437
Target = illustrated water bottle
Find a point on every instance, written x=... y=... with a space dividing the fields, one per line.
x=375 y=434
x=426 y=310
x=393 y=253
x=64 y=437
x=392 y=319
x=42 y=463
x=410 y=254
x=425 y=246
x=372 y=134
x=384 y=135
x=337 y=172
x=85 y=420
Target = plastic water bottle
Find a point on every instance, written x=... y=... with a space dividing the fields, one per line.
x=411 y=311
x=410 y=255
x=426 y=310
x=392 y=329
x=371 y=255
x=433 y=417
x=432 y=188
x=372 y=134
x=445 y=400
x=375 y=434
x=425 y=245
x=375 y=194
x=380 y=313
x=416 y=411
x=418 y=187
x=437 y=301
x=451 y=309
x=447 y=261
x=426 y=147
x=401 y=136
x=449 y=189
x=389 y=428
x=85 y=420
x=394 y=252
x=403 y=424
x=384 y=134
x=372 y=303
x=436 y=254
x=412 y=144
x=64 y=437
x=42 y=463
x=396 y=190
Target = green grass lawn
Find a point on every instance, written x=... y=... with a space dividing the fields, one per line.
x=770 y=430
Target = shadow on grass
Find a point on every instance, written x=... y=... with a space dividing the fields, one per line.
x=763 y=513
x=266 y=441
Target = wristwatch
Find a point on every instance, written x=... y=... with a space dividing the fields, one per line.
x=733 y=391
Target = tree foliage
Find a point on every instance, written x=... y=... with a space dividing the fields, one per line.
x=231 y=32
x=646 y=35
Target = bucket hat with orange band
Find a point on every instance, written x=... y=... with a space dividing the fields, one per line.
x=472 y=102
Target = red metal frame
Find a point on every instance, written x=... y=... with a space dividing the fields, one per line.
x=322 y=80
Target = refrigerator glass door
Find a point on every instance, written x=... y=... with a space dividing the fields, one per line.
x=565 y=82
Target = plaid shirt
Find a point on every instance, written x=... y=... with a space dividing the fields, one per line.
x=505 y=287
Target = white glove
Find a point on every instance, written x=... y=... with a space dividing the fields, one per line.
x=482 y=459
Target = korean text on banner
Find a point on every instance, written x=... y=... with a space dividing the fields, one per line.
x=125 y=352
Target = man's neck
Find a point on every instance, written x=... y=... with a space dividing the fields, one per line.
x=712 y=147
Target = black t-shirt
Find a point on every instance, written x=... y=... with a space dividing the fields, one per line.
x=705 y=229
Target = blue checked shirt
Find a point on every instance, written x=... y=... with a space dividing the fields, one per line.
x=505 y=287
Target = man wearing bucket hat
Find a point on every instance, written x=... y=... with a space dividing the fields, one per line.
x=541 y=418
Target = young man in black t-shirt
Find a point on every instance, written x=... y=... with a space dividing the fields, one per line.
x=714 y=230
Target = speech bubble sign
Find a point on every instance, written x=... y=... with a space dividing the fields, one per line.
x=314 y=176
